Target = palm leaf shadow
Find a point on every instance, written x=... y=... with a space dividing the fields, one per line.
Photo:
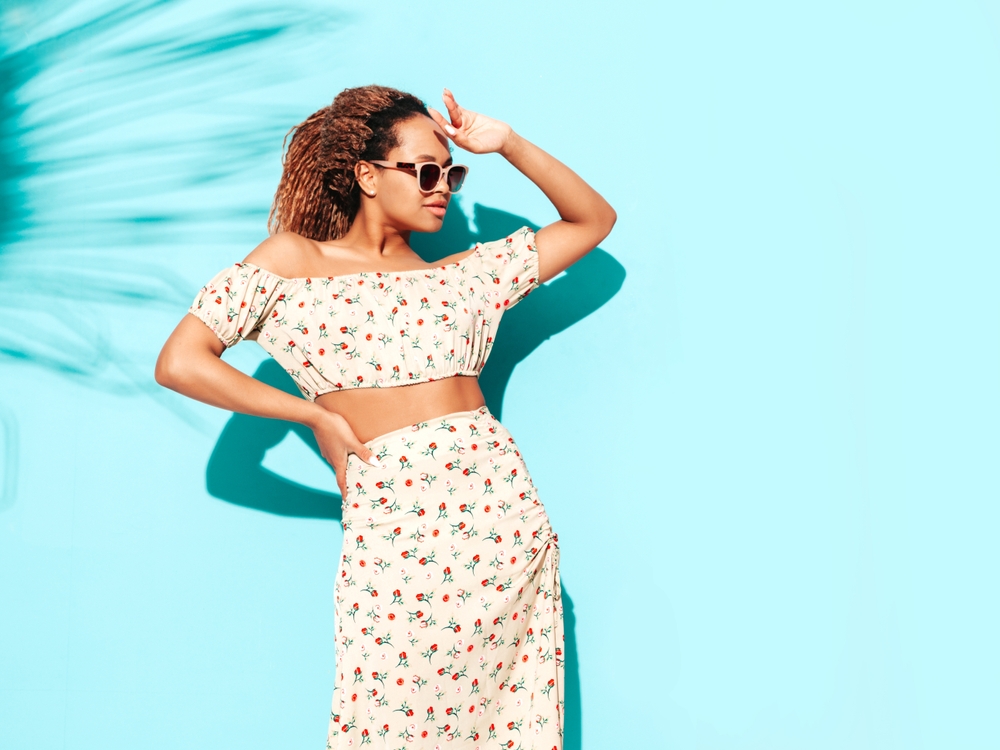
x=92 y=180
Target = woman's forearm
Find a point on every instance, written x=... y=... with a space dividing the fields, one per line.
x=206 y=378
x=574 y=199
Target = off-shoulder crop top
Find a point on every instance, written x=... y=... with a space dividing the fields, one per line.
x=374 y=329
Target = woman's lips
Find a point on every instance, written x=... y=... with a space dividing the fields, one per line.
x=437 y=210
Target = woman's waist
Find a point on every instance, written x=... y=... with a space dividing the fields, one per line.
x=376 y=412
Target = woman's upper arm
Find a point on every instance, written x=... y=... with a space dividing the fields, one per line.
x=189 y=338
x=229 y=306
x=562 y=243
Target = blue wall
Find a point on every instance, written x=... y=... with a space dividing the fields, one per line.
x=763 y=419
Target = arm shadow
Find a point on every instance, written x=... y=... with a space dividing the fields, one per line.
x=549 y=309
x=235 y=473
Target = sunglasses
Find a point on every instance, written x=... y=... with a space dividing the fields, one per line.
x=429 y=173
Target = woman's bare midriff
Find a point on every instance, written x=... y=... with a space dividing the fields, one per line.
x=375 y=411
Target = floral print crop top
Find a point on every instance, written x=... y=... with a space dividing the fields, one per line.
x=374 y=329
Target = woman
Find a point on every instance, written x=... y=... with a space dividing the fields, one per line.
x=447 y=600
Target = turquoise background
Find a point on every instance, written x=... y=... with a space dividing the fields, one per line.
x=770 y=454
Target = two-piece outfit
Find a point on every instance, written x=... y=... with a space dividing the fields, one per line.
x=447 y=599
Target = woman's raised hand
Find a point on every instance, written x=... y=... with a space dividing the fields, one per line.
x=472 y=131
x=336 y=440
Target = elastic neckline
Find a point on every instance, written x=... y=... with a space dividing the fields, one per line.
x=365 y=274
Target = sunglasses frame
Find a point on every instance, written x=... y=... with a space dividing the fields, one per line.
x=415 y=168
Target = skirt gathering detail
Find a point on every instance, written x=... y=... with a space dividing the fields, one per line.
x=448 y=603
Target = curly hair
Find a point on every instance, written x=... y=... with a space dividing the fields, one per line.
x=318 y=195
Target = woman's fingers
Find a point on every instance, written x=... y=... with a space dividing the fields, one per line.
x=366 y=455
x=338 y=441
x=453 y=109
x=340 y=470
x=340 y=466
x=439 y=119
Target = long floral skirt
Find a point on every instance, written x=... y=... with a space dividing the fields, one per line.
x=448 y=601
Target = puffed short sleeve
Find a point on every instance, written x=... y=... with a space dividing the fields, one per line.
x=236 y=300
x=508 y=268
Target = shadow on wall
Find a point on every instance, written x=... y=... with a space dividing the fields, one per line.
x=235 y=471
x=80 y=241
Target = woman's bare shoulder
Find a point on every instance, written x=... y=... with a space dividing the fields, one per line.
x=280 y=253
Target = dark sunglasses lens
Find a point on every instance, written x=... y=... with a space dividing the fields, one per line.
x=456 y=176
x=429 y=176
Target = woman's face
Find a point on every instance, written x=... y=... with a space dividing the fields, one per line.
x=398 y=195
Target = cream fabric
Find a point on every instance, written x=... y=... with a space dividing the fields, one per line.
x=373 y=329
x=448 y=598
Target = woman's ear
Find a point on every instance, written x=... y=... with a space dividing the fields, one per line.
x=364 y=173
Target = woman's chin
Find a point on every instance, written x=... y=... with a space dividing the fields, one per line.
x=432 y=225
